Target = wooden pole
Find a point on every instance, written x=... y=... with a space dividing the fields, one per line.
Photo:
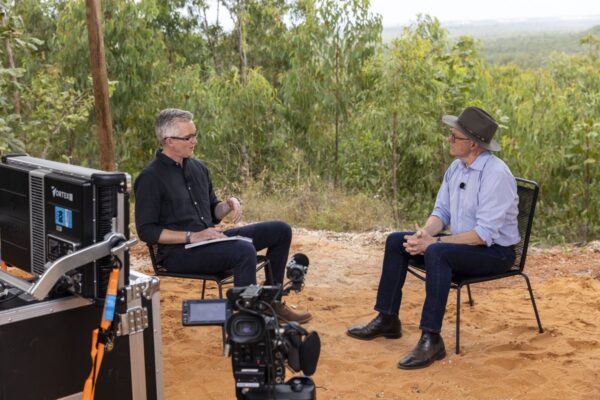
x=93 y=12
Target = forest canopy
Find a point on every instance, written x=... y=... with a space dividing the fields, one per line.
x=302 y=94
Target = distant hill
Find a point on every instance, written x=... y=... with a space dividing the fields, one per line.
x=526 y=42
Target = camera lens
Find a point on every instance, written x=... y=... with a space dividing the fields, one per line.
x=245 y=328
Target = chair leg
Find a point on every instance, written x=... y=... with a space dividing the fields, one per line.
x=458 y=318
x=223 y=326
x=470 y=298
x=535 y=310
x=268 y=273
x=203 y=287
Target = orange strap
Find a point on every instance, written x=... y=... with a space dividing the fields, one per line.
x=97 y=352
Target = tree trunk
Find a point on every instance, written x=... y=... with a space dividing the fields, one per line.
x=244 y=161
x=337 y=115
x=11 y=65
x=395 y=194
x=100 y=84
x=241 y=44
x=587 y=182
x=211 y=40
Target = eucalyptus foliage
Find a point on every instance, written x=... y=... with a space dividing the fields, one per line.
x=323 y=104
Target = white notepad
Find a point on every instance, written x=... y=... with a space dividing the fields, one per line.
x=218 y=240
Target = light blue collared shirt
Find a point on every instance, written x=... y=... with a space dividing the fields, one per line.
x=482 y=197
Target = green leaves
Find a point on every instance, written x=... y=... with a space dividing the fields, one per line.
x=324 y=100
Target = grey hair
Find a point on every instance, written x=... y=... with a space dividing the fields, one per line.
x=166 y=121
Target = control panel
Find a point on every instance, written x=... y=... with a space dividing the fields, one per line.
x=58 y=247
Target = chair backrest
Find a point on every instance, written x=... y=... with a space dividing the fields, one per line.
x=528 y=193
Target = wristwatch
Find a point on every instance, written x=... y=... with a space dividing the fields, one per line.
x=188 y=237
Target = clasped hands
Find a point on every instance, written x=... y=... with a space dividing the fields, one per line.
x=417 y=243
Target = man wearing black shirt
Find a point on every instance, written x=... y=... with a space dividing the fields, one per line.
x=175 y=204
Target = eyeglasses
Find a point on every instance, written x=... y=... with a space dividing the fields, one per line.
x=186 y=138
x=454 y=138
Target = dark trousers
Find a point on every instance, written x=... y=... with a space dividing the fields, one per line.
x=237 y=255
x=440 y=260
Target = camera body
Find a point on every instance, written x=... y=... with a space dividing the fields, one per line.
x=261 y=349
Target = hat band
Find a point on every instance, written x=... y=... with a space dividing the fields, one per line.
x=478 y=136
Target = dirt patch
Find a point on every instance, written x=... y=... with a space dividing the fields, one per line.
x=502 y=354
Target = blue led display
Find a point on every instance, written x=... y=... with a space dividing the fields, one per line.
x=63 y=217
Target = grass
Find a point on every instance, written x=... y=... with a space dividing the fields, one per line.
x=317 y=207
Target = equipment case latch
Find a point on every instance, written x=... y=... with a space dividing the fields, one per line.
x=133 y=321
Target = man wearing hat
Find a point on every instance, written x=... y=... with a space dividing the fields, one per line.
x=477 y=201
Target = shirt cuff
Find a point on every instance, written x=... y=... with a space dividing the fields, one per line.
x=150 y=235
x=444 y=218
x=484 y=235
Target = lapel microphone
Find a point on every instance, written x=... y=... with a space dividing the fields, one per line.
x=462 y=185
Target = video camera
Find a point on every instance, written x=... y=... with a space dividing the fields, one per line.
x=259 y=347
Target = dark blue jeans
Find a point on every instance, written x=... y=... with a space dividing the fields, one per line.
x=441 y=260
x=238 y=255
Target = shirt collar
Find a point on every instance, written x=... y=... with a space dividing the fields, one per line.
x=168 y=160
x=480 y=161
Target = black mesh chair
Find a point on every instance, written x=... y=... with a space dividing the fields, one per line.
x=221 y=279
x=528 y=193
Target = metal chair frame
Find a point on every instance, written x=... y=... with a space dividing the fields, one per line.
x=528 y=193
x=220 y=279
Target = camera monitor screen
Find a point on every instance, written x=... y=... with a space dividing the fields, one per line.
x=205 y=312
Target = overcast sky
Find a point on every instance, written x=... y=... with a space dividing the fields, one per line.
x=399 y=12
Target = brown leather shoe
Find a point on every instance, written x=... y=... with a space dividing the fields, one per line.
x=286 y=313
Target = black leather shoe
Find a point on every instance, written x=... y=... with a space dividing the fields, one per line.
x=388 y=327
x=429 y=349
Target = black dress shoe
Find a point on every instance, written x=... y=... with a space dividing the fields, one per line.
x=386 y=326
x=429 y=349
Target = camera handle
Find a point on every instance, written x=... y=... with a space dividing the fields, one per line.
x=112 y=244
x=296 y=388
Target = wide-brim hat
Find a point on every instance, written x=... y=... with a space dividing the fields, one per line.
x=477 y=125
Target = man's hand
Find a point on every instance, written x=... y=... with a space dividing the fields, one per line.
x=417 y=243
x=234 y=206
x=206 y=234
x=231 y=205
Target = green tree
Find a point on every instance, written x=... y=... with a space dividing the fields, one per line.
x=55 y=116
x=333 y=42
x=137 y=60
x=14 y=41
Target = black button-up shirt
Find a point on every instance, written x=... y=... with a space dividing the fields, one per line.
x=172 y=196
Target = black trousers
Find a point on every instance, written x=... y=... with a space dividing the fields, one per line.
x=440 y=260
x=237 y=255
